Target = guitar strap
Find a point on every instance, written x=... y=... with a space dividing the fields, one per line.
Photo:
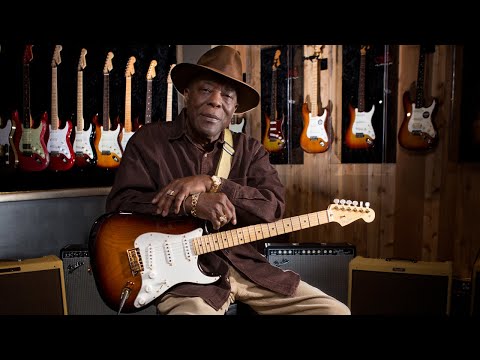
x=223 y=167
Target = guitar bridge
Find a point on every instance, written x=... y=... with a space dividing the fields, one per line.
x=135 y=261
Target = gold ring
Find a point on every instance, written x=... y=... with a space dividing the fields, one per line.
x=222 y=218
x=170 y=192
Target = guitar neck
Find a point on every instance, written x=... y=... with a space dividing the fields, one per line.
x=54 y=113
x=106 y=102
x=128 y=105
x=80 y=124
x=314 y=109
x=419 y=102
x=361 y=84
x=27 y=119
x=273 y=100
x=168 y=116
x=148 y=109
x=230 y=238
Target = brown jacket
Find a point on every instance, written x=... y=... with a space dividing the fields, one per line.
x=160 y=152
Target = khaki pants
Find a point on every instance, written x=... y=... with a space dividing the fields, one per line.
x=307 y=300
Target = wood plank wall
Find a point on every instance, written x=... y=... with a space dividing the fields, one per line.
x=425 y=204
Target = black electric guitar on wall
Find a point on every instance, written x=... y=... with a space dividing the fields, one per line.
x=417 y=131
x=273 y=139
x=135 y=258
x=360 y=133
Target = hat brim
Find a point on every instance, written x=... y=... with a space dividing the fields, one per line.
x=181 y=74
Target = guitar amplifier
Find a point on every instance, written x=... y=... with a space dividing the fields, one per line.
x=399 y=287
x=322 y=265
x=81 y=291
x=32 y=287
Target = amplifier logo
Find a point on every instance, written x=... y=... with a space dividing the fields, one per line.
x=281 y=262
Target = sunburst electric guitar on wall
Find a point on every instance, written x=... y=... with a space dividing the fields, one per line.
x=83 y=145
x=360 y=133
x=29 y=141
x=314 y=137
x=273 y=139
x=127 y=131
x=417 y=131
x=148 y=103
x=107 y=144
x=135 y=258
x=59 y=145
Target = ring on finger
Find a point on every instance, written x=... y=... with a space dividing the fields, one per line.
x=222 y=218
x=171 y=192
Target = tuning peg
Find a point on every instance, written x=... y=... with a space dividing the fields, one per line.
x=349 y=202
x=336 y=201
x=355 y=203
x=361 y=203
x=342 y=202
x=367 y=204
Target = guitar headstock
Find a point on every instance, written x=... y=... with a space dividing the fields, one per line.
x=345 y=212
x=108 y=63
x=169 y=79
x=151 y=70
x=28 y=54
x=130 y=69
x=363 y=49
x=56 y=60
x=82 y=62
x=276 y=59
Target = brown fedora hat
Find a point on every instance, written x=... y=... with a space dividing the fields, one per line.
x=220 y=60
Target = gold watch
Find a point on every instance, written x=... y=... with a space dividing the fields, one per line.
x=216 y=183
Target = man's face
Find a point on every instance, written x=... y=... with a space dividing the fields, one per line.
x=210 y=106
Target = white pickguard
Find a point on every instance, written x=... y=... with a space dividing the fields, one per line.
x=421 y=120
x=126 y=136
x=30 y=142
x=237 y=128
x=168 y=260
x=363 y=123
x=316 y=127
x=57 y=142
x=82 y=144
x=108 y=143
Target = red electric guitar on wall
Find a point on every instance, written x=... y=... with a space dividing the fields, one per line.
x=314 y=137
x=417 y=131
x=59 y=146
x=29 y=142
x=273 y=139
x=107 y=145
x=360 y=133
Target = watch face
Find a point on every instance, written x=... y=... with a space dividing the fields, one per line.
x=216 y=183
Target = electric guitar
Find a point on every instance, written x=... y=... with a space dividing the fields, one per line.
x=360 y=133
x=58 y=145
x=273 y=139
x=127 y=130
x=236 y=126
x=107 y=145
x=148 y=107
x=7 y=149
x=417 y=131
x=135 y=258
x=83 y=145
x=29 y=142
x=314 y=137
x=169 y=108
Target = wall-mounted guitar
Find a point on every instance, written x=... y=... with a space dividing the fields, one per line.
x=273 y=139
x=83 y=145
x=127 y=130
x=169 y=108
x=417 y=131
x=29 y=142
x=360 y=133
x=58 y=145
x=148 y=107
x=106 y=142
x=314 y=137
x=7 y=150
x=235 y=125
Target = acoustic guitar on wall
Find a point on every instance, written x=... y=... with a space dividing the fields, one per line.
x=314 y=137
x=360 y=133
x=273 y=139
x=417 y=131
